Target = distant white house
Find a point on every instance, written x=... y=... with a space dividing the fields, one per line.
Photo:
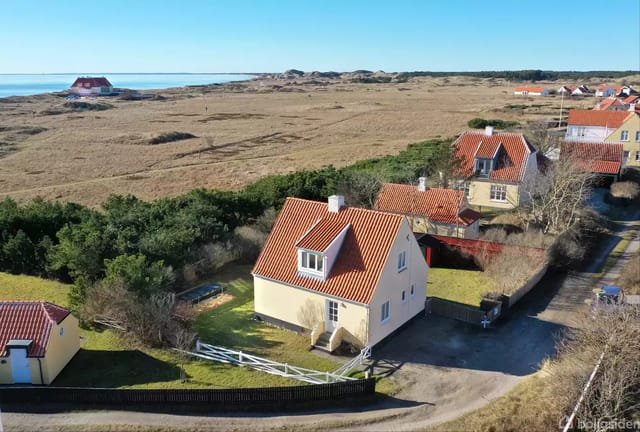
x=92 y=86
x=531 y=91
x=582 y=90
x=565 y=90
x=608 y=91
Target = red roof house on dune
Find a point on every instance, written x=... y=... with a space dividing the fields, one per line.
x=431 y=210
x=92 y=86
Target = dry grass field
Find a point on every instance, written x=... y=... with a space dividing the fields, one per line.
x=243 y=131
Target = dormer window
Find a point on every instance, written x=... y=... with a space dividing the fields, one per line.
x=311 y=261
x=483 y=167
x=318 y=249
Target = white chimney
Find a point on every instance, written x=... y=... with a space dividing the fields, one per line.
x=335 y=203
x=488 y=130
x=632 y=107
x=422 y=184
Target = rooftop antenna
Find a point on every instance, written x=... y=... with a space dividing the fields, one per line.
x=561 y=102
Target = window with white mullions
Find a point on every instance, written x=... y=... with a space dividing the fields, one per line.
x=498 y=193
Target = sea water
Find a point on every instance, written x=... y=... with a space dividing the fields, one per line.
x=31 y=84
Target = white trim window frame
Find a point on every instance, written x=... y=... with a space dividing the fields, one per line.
x=402 y=261
x=498 y=193
x=311 y=262
x=624 y=135
x=385 y=312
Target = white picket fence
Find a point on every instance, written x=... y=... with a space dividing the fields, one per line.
x=226 y=355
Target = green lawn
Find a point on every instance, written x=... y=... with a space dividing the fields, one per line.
x=109 y=360
x=462 y=286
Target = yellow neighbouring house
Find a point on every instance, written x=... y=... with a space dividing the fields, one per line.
x=613 y=127
x=343 y=274
x=498 y=169
x=37 y=340
x=433 y=211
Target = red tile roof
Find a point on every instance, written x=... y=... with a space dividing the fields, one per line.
x=604 y=87
x=610 y=119
x=29 y=320
x=439 y=205
x=631 y=99
x=322 y=235
x=600 y=158
x=89 y=82
x=531 y=89
x=512 y=164
x=608 y=103
x=359 y=265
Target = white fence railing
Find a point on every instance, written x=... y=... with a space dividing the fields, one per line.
x=226 y=355
x=358 y=360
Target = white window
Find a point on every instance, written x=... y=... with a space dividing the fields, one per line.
x=466 y=187
x=311 y=261
x=624 y=136
x=404 y=297
x=483 y=167
x=402 y=260
x=625 y=156
x=333 y=311
x=638 y=156
x=638 y=136
x=384 y=316
x=498 y=193
x=413 y=291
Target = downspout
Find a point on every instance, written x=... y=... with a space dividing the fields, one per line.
x=40 y=366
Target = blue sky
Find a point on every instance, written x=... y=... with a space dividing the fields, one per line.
x=273 y=35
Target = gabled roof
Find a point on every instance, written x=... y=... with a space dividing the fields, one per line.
x=439 y=205
x=604 y=87
x=631 y=99
x=322 y=234
x=610 y=119
x=31 y=320
x=511 y=166
x=608 y=103
x=600 y=158
x=531 y=89
x=89 y=82
x=359 y=265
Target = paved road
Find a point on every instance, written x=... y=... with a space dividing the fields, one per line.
x=443 y=368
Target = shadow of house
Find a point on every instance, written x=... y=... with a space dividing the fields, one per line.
x=112 y=369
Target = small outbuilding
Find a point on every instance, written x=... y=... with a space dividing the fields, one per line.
x=37 y=340
x=92 y=86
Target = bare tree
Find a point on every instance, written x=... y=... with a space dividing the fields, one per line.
x=360 y=189
x=609 y=337
x=556 y=198
x=539 y=133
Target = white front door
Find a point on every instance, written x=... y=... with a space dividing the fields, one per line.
x=332 y=316
x=20 y=366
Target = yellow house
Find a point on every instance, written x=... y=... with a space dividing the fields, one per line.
x=628 y=134
x=498 y=168
x=343 y=274
x=37 y=340
x=434 y=211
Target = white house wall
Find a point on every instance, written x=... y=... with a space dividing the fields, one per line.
x=392 y=283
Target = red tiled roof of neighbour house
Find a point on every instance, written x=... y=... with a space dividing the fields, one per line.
x=439 y=205
x=29 y=320
x=531 y=89
x=610 y=119
x=511 y=167
x=608 y=103
x=359 y=265
x=601 y=158
x=606 y=86
x=89 y=82
x=631 y=99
